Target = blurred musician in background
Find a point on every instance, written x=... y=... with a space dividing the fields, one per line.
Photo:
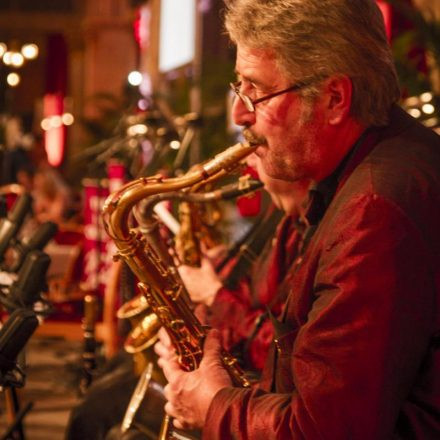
x=241 y=310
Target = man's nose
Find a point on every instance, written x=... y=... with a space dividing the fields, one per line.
x=240 y=114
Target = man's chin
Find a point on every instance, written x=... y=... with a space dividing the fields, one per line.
x=261 y=151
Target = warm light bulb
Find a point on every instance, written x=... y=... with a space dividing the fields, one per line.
x=426 y=97
x=175 y=145
x=137 y=129
x=143 y=104
x=415 y=112
x=429 y=109
x=67 y=119
x=30 y=51
x=431 y=122
x=7 y=58
x=412 y=101
x=17 y=59
x=135 y=78
x=13 y=79
x=3 y=49
x=56 y=121
x=45 y=124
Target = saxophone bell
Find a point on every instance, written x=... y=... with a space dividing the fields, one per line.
x=144 y=335
x=144 y=323
x=132 y=308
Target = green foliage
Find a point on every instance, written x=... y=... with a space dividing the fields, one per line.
x=101 y=129
x=425 y=35
x=217 y=74
x=110 y=112
x=417 y=55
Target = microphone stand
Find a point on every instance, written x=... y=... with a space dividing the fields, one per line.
x=21 y=324
x=15 y=414
x=14 y=334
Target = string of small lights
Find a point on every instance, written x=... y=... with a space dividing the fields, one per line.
x=425 y=108
x=15 y=57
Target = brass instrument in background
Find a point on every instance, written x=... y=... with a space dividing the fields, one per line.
x=143 y=335
x=199 y=215
x=193 y=230
x=12 y=188
x=144 y=323
x=159 y=281
x=89 y=351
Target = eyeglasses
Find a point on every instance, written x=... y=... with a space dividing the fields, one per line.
x=251 y=103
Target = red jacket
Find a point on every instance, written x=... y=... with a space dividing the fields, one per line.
x=358 y=353
x=256 y=292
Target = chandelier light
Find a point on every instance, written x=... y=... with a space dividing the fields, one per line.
x=14 y=58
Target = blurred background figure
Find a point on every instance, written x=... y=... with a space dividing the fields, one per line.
x=53 y=198
x=17 y=164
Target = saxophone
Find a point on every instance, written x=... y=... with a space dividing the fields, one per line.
x=159 y=281
x=193 y=230
x=145 y=324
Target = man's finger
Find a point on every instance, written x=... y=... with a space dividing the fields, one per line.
x=167 y=391
x=164 y=337
x=170 y=368
x=164 y=351
x=185 y=271
x=212 y=347
x=179 y=424
x=170 y=410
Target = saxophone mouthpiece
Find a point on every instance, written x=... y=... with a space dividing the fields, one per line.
x=253 y=139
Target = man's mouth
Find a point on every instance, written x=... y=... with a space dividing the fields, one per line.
x=253 y=138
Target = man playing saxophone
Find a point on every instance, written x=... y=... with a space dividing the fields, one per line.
x=92 y=421
x=242 y=312
x=356 y=349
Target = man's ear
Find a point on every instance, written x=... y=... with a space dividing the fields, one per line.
x=338 y=90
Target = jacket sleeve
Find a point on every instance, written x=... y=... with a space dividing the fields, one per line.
x=364 y=323
x=241 y=315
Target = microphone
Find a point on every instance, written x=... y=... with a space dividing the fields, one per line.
x=14 y=335
x=11 y=224
x=37 y=241
x=31 y=280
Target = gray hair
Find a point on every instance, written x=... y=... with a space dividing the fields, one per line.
x=323 y=38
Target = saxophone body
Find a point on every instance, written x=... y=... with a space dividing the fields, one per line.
x=159 y=281
x=198 y=214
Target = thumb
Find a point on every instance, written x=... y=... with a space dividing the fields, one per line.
x=212 y=347
x=206 y=264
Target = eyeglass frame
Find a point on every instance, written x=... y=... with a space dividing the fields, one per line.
x=251 y=103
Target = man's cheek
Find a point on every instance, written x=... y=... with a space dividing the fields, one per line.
x=276 y=115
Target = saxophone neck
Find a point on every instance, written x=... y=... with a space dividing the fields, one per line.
x=118 y=206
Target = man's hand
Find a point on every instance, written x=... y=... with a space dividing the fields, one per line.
x=202 y=283
x=190 y=394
